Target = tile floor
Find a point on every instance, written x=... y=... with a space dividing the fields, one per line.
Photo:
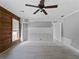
x=40 y=50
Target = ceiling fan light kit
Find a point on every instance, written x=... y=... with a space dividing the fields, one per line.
x=41 y=7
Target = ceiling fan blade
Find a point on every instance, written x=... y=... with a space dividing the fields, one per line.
x=42 y=2
x=53 y=6
x=36 y=11
x=31 y=5
x=44 y=12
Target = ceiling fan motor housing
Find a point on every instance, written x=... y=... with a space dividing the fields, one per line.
x=41 y=6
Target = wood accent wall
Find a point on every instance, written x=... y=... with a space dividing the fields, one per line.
x=6 y=28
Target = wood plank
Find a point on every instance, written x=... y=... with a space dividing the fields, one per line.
x=9 y=13
x=6 y=18
x=5 y=31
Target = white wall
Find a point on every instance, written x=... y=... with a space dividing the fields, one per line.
x=41 y=30
x=25 y=32
x=42 y=34
x=71 y=29
x=57 y=31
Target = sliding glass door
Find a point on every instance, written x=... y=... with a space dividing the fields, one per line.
x=15 y=30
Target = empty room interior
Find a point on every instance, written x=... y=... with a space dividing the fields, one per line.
x=39 y=29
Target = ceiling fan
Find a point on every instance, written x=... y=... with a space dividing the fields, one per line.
x=41 y=7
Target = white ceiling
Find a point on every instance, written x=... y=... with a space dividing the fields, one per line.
x=65 y=7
